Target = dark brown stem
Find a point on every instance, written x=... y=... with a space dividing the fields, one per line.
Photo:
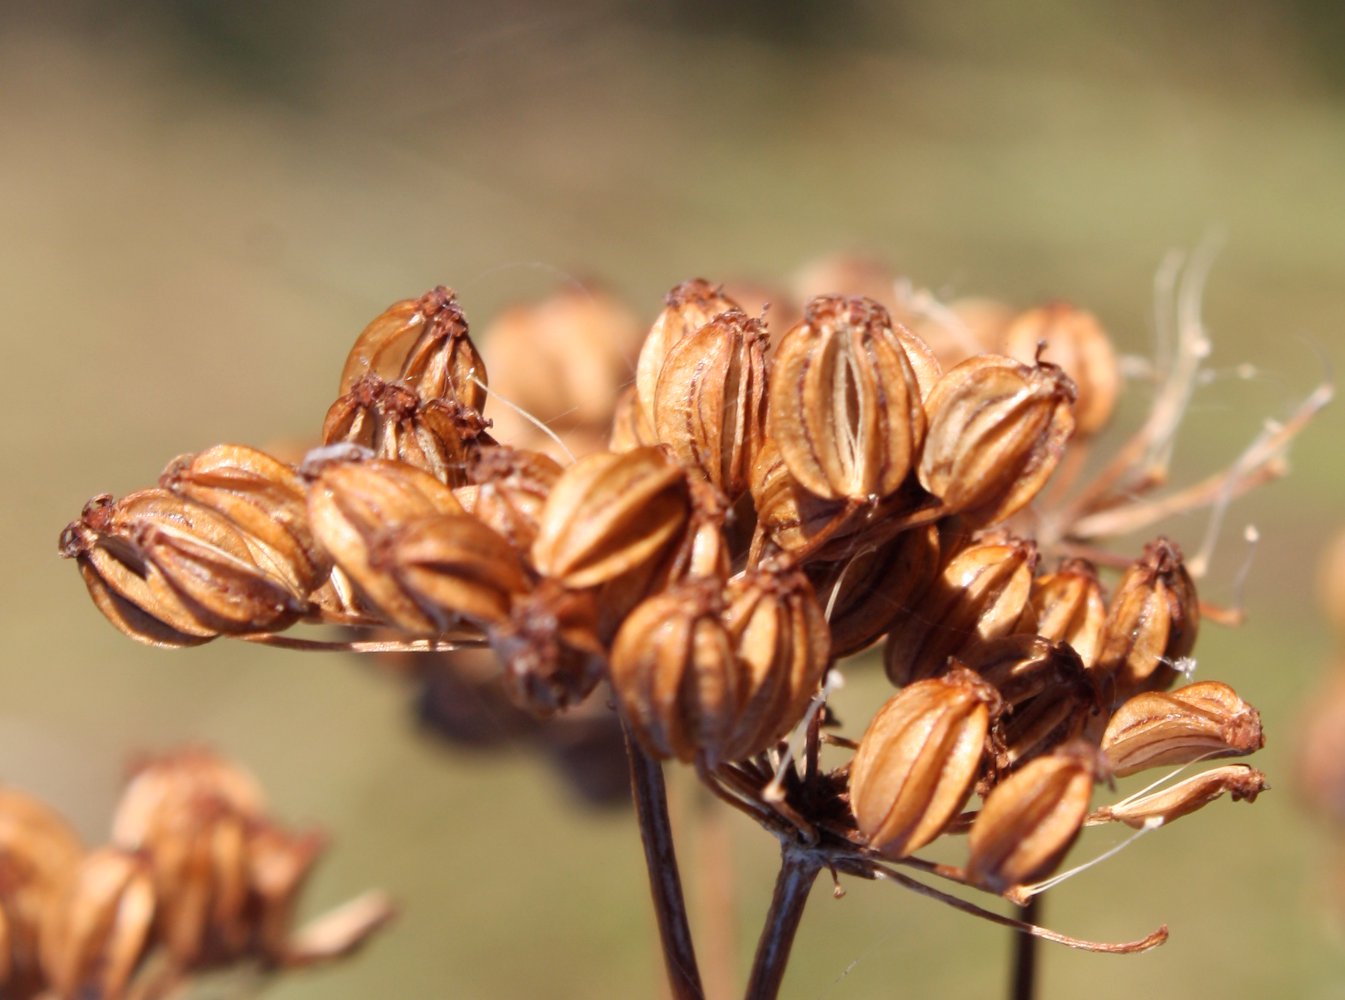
x=1024 y=983
x=797 y=872
x=665 y=884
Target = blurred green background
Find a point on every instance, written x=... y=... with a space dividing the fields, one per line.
x=202 y=203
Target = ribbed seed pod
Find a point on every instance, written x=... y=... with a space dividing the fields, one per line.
x=1030 y=820
x=1192 y=723
x=1067 y=606
x=688 y=307
x=997 y=429
x=607 y=514
x=1152 y=621
x=710 y=400
x=1075 y=341
x=424 y=344
x=918 y=759
x=550 y=648
x=1241 y=781
x=980 y=595
x=352 y=505
x=507 y=489
x=845 y=406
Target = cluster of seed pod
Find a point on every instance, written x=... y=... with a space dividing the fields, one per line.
x=769 y=503
x=196 y=876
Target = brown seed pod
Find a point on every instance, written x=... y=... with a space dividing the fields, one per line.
x=997 y=429
x=1067 y=606
x=917 y=760
x=710 y=400
x=630 y=425
x=1241 y=781
x=1030 y=820
x=1192 y=723
x=963 y=328
x=844 y=402
x=980 y=595
x=1075 y=341
x=689 y=306
x=550 y=648
x=607 y=514
x=1152 y=621
x=507 y=489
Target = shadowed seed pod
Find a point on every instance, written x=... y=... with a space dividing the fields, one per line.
x=997 y=429
x=1067 y=606
x=1192 y=723
x=171 y=572
x=845 y=406
x=352 y=504
x=1075 y=341
x=609 y=513
x=710 y=400
x=980 y=595
x=424 y=344
x=507 y=489
x=97 y=930
x=917 y=761
x=1152 y=621
x=962 y=328
x=688 y=307
x=37 y=852
x=1241 y=781
x=1031 y=819
x=550 y=648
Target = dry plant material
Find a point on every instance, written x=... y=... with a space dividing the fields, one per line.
x=1073 y=339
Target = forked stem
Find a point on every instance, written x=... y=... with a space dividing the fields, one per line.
x=798 y=870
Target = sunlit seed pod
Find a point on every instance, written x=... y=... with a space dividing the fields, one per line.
x=1152 y=621
x=631 y=428
x=917 y=761
x=1192 y=723
x=549 y=647
x=1029 y=821
x=97 y=930
x=609 y=513
x=867 y=593
x=1067 y=606
x=710 y=400
x=997 y=430
x=844 y=405
x=979 y=595
x=265 y=497
x=688 y=307
x=353 y=504
x=507 y=489
x=1240 y=781
x=1075 y=341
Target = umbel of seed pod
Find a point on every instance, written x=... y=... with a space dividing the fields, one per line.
x=1075 y=341
x=845 y=406
x=997 y=429
x=1192 y=723
x=1152 y=621
x=918 y=759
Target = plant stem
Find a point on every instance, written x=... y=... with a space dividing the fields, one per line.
x=665 y=885
x=1024 y=983
x=797 y=872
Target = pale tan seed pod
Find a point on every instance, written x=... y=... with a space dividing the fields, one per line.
x=997 y=429
x=917 y=761
x=1192 y=723
x=1067 y=606
x=607 y=514
x=265 y=498
x=844 y=405
x=1075 y=341
x=631 y=428
x=352 y=504
x=980 y=594
x=1151 y=623
x=710 y=400
x=184 y=775
x=688 y=307
x=1031 y=819
x=550 y=648
x=424 y=344
x=98 y=929
x=1241 y=781
x=507 y=489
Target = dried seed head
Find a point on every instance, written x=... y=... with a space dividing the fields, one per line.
x=98 y=928
x=997 y=429
x=607 y=514
x=980 y=595
x=918 y=759
x=424 y=344
x=507 y=489
x=550 y=648
x=844 y=402
x=1030 y=820
x=1185 y=797
x=710 y=400
x=1152 y=621
x=1077 y=343
x=689 y=306
x=1067 y=606
x=1192 y=723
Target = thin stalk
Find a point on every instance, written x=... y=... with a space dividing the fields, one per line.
x=797 y=872
x=665 y=884
x=1024 y=983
